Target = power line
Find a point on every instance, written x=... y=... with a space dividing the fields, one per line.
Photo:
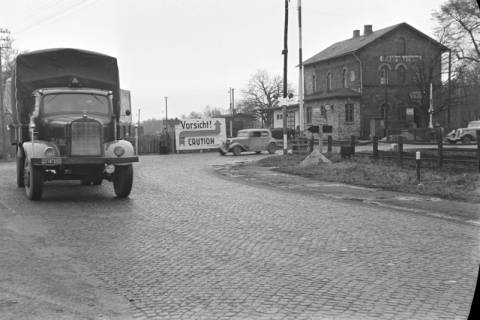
x=57 y=15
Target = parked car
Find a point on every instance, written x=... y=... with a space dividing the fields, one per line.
x=465 y=135
x=256 y=140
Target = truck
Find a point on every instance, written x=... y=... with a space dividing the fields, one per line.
x=66 y=116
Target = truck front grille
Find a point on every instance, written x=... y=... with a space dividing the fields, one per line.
x=86 y=138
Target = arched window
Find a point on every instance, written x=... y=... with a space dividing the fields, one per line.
x=329 y=81
x=401 y=46
x=401 y=74
x=314 y=83
x=384 y=74
x=344 y=78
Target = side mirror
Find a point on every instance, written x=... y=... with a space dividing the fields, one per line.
x=127 y=112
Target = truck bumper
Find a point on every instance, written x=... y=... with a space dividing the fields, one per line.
x=59 y=161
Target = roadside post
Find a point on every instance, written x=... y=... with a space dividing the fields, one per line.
x=329 y=143
x=375 y=147
x=439 y=149
x=478 y=148
x=417 y=161
x=136 y=139
x=400 y=150
x=352 y=143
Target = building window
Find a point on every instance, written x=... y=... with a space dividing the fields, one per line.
x=349 y=112
x=309 y=114
x=279 y=116
x=291 y=120
x=314 y=83
x=344 y=78
x=401 y=46
x=329 y=81
x=384 y=74
x=401 y=74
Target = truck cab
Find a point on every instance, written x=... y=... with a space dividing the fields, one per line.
x=70 y=132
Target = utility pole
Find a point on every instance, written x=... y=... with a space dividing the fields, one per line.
x=137 y=133
x=449 y=88
x=385 y=109
x=166 y=110
x=232 y=109
x=300 y=70
x=285 y=93
x=4 y=38
x=430 y=109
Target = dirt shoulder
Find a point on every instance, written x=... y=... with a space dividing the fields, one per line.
x=255 y=173
x=41 y=280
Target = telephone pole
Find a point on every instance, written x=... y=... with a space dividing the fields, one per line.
x=285 y=86
x=232 y=109
x=301 y=112
x=4 y=44
x=166 y=114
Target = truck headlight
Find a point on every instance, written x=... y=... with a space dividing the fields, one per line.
x=49 y=152
x=118 y=151
x=109 y=168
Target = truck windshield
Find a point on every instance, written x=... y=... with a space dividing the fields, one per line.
x=75 y=103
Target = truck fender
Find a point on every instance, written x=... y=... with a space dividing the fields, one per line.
x=127 y=147
x=37 y=148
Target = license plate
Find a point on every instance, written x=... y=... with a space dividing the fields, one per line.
x=52 y=161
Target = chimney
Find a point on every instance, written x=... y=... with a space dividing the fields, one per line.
x=367 y=29
x=356 y=34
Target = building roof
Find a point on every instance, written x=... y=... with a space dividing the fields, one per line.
x=343 y=92
x=354 y=44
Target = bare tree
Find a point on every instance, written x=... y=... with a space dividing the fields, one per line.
x=259 y=96
x=459 y=28
x=214 y=112
x=192 y=115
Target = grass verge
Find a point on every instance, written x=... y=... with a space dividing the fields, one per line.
x=361 y=171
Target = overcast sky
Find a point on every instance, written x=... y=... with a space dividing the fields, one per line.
x=193 y=51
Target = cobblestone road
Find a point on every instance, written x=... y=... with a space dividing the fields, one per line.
x=189 y=244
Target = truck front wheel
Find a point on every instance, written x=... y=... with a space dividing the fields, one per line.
x=33 y=180
x=123 y=180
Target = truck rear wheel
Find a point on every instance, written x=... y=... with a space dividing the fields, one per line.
x=20 y=160
x=123 y=180
x=33 y=180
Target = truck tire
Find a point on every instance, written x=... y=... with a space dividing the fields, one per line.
x=272 y=148
x=33 y=180
x=237 y=150
x=20 y=161
x=123 y=180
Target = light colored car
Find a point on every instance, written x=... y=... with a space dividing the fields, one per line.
x=465 y=135
x=256 y=140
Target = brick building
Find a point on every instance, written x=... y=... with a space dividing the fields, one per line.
x=375 y=81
